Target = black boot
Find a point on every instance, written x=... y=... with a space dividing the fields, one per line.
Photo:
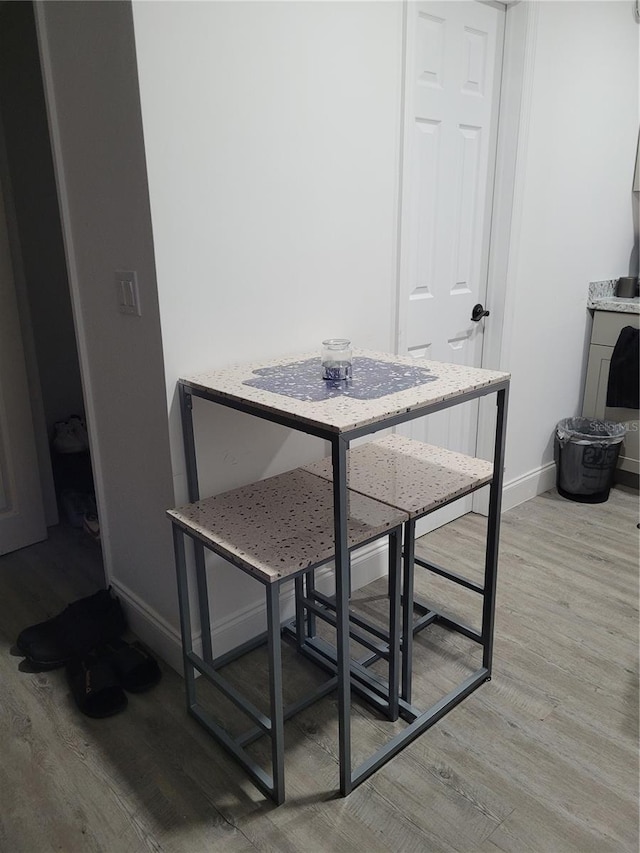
x=80 y=627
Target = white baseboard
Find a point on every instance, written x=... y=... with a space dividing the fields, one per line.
x=529 y=485
x=367 y=564
x=147 y=624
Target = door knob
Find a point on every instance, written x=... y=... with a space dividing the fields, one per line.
x=479 y=311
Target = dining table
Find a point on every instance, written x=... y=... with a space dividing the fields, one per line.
x=384 y=391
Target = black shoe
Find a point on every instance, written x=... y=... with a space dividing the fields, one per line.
x=136 y=668
x=95 y=687
x=81 y=627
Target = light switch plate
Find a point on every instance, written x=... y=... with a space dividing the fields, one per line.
x=127 y=293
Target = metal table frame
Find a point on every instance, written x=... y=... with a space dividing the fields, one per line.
x=418 y=721
x=272 y=725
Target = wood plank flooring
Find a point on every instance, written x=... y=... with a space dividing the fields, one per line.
x=543 y=758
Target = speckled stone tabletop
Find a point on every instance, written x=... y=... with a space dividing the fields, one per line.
x=400 y=385
x=602 y=298
x=282 y=525
x=407 y=474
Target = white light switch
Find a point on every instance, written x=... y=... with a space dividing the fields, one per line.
x=127 y=292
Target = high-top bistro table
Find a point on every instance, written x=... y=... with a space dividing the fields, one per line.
x=386 y=390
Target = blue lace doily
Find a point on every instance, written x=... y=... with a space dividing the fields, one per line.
x=371 y=380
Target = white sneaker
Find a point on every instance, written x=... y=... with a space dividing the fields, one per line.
x=80 y=429
x=66 y=440
x=91 y=525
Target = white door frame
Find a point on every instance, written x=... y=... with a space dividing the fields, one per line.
x=513 y=124
x=31 y=361
x=506 y=219
x=74 y=279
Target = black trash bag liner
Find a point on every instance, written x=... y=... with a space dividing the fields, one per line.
x=586 y=454
x=589 y=431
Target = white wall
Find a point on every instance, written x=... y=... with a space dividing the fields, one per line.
x=90 y=79
x=272 y=142
x=574 y=217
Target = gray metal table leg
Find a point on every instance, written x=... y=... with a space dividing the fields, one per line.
x=185 y=614
x=299 y=602
x=408 y=566
x=493 y=532
x=186 y=412
x=310 y=585
x=395 y=556
x=275 y=690
x=339 y=457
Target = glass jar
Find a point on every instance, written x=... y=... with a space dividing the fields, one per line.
x=337 y=359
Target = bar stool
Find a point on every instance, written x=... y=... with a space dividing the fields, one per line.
x=419 y=478
x=276 y=530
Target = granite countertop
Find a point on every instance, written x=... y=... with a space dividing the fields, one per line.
x=602 y=298
x=383 y=386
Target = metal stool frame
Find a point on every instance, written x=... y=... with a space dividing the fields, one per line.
x=273 y=785
x=310 y=602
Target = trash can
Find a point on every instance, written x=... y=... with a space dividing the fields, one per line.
x=586 y=454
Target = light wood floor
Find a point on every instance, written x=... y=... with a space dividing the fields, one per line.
x=543 y=758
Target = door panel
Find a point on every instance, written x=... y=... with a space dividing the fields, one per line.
x=21 y=511
x=452 y=81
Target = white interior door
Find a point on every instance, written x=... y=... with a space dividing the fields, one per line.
x=452 y=88
x=22 y=520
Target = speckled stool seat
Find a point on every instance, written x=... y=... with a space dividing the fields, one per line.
x=417 y=479
x=276 y=530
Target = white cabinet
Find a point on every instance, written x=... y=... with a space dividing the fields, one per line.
x=607 y=325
